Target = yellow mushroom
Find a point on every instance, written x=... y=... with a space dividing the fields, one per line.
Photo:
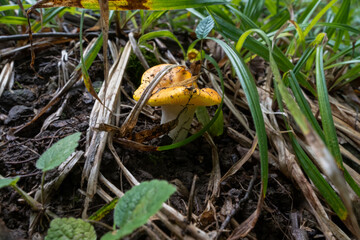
x=177 y=96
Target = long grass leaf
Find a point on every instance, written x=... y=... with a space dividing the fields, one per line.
x=248 y=84
x=307 y=165
x=318 y=16
x=13 y=7
x=332 y=141
x=47 y=17
x=253 y=9
x=326 y=118
x=244 y=19
x=309 y=10
x=304 y=105
x=14 y=20
x=344 y=52
x=325 y=109
x=150 y=19
x=340 y=17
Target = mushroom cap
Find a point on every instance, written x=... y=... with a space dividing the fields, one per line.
x=170 y=91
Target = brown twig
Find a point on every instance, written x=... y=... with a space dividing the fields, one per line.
x=191 y=198
x=51 y=34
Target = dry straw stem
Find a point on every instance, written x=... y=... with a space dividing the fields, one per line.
x=215 y=176
x=6 y=76
x=101 y=114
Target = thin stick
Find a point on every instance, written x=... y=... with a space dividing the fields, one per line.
x=51 y=34
x=42 y=187
x=191 y=198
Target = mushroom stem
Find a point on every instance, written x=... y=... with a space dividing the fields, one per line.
x=184 y=115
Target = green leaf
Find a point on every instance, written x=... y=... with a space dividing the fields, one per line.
x=138 y=205
x=58 y=152
x=248 y=84
x=70 y=228
x=203 y=116
x=5 y=182
x=204 y=27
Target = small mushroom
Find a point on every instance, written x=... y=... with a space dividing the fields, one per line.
x=177 y=96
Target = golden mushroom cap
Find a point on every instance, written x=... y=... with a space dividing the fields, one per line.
x=165 y=93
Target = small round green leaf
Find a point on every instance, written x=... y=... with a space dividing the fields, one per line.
x=70 y=229
x=5 y=182
x=138 y=205
x=204 y=27
x=58 y=152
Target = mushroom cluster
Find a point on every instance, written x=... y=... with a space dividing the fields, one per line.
x=177 y=97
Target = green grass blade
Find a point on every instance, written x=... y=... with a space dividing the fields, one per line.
x=48 y=16
x=303 y=59
x=309 y=167
x=253 y=9
x=339 y=64
x=304 y=105
x=348 y=77
x=161 y=33
x=276 y=21
x=248 y=84
x=310 y=9
x=104 y=210
x=150 y=19
x=344 y=52
x=324 y=188
x=13 y=7
x=340 y=17
x=13 y=20
x=325 y=109
x=318 y=16
x=327 y=120
x=245 y=20
x=182 y=4
x=338 y=26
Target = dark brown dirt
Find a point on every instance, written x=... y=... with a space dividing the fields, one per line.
x=19 y=154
